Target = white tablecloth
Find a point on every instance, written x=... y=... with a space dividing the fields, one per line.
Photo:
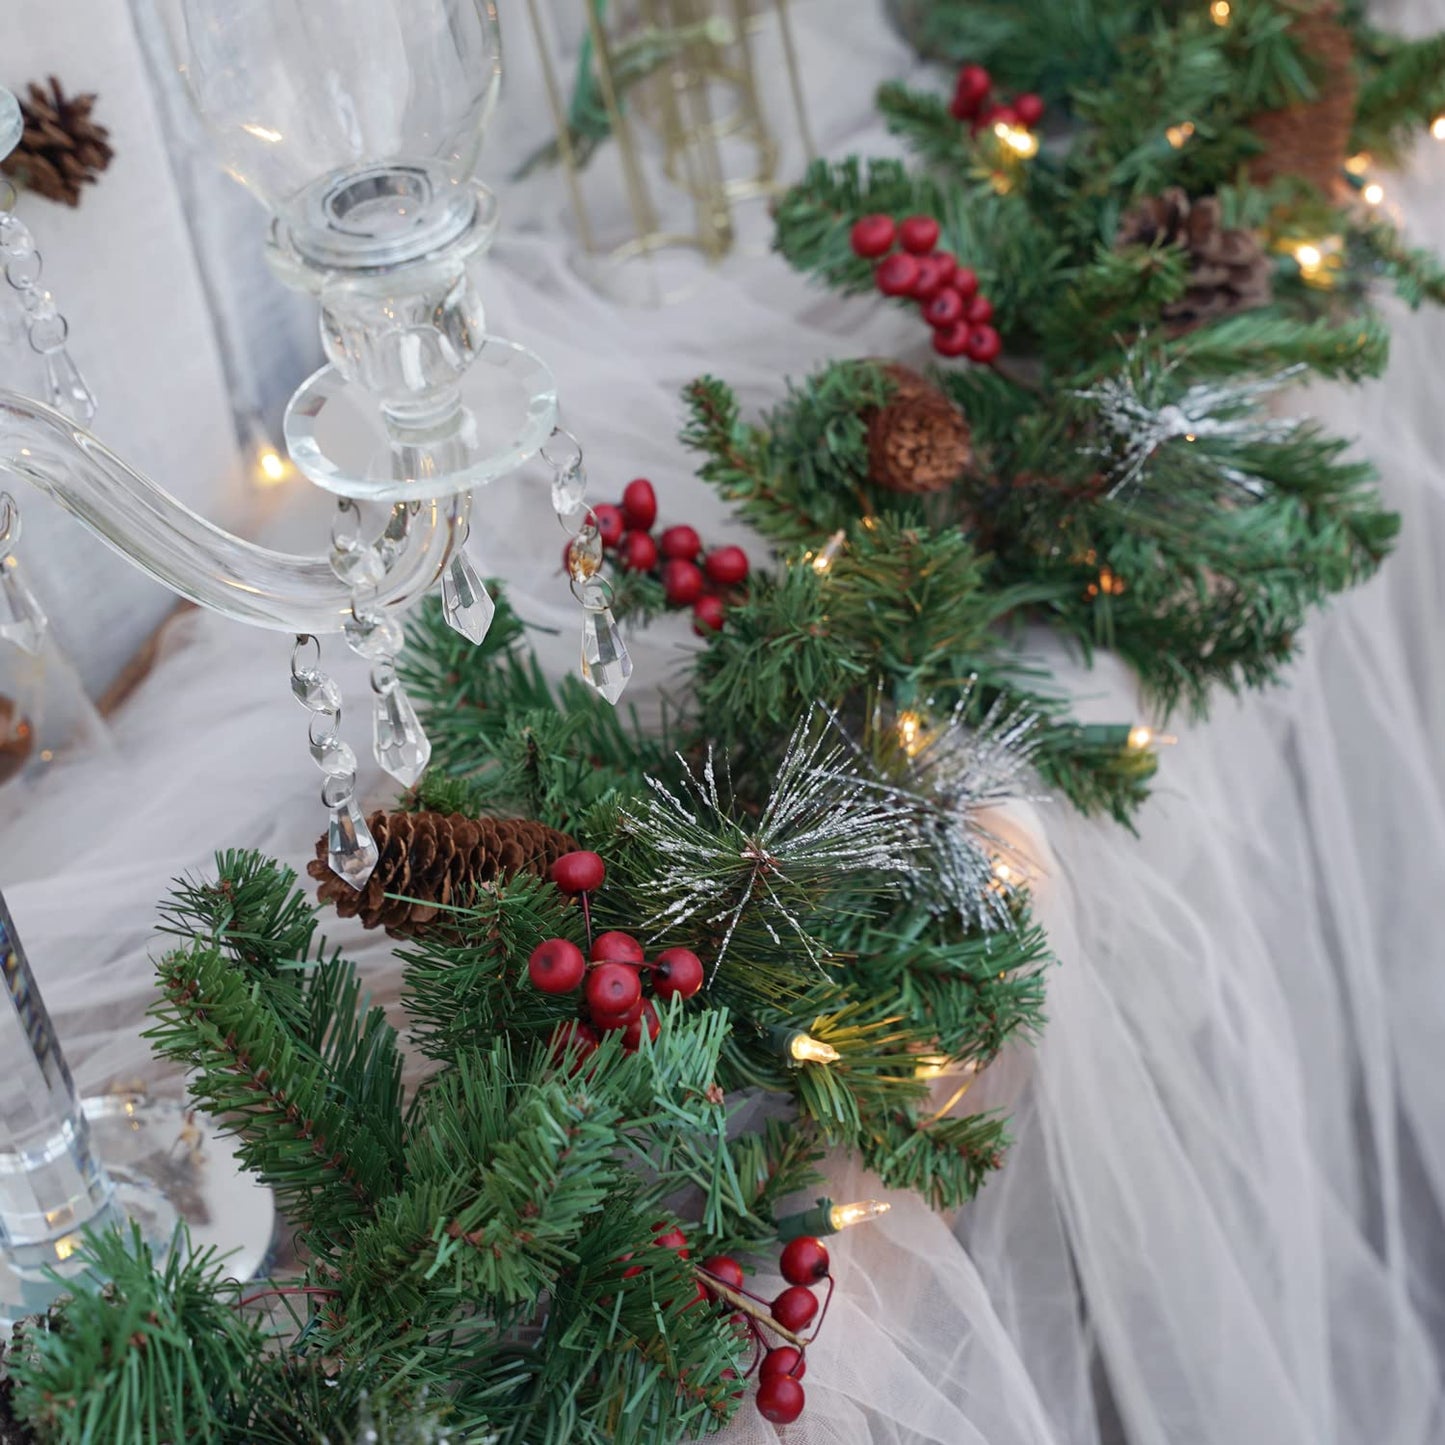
x=1221 y=1221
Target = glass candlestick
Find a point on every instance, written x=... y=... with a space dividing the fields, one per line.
x=68 y=1166
x=52 y=1186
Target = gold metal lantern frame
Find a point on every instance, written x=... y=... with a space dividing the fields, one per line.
x=677 y=88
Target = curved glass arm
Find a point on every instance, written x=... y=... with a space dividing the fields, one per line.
x=191 y=556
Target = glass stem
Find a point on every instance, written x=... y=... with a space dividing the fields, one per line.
x=52 y=1186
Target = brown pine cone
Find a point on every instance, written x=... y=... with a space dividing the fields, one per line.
x=918 y=440
x=436 y=859
x=1229 y=270
x=1313 y=139
x=62 y=148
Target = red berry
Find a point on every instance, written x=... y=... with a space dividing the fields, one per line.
x=668 y=1236
x=646 y=1019
x=897 y=275
x=639 y=505
x=639 y=552
x=556 y=966
x=725 y=1268
x=1003 y=115
x=707 y=615
x=965 y=282
x=943 y=309
x=613 y=988
x=681 y=543
x=980 y=311
x=682 y=582
x=780 y=1400
x=873 y=236
x=930 y=279
x=573 y=1041
x=795 y=1307
x=1030 y=109
x=727 y=566
x=607 y=1022
x=679 y=974
x=610 y=523
x=947 y=264
x=617 y=948
x=579 y=872
x=972 y=85
x=785 y=1360
x=960 y=108
x=984 y=344
x=804 y=1260
x=919 y=234
x=632 y=1270
x=952 y=340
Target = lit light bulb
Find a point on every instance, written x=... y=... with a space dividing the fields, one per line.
x=805 y=1049
x=842 y=1216
x=1358 y=165
x=823 y=561
x=1022 y=142
x=1178 y=134
x=1140 y=737
x=1373 y=193
x=271 y=467
x=1003 y=872
x=1437 y=127
x=910 y=732
x=1310 y=258
x=1219 y=12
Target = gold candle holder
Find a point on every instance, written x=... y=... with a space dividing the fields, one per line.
x=674 y=86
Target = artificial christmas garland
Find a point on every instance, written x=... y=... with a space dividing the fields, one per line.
x=796 y=887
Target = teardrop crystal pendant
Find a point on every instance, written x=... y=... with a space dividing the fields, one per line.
x=468 y=606
x=21 y=620
x=401 y=746
x=66 y=389
x=351 y=851
x=606 y=664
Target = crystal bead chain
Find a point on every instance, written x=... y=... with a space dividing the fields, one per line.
x=398 y=740
x=606 y=665
x=65 y=388
x=21 y=619
x=350 y=849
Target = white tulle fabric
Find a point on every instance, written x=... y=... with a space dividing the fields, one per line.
x=1221 y=1221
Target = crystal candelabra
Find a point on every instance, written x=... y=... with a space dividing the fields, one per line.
x=358 y=123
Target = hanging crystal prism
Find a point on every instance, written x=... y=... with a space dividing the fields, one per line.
x=402 y=748
x=466 y=603
x=351 y=851
x=606 y=664
x=21 y=619
x=66 y=389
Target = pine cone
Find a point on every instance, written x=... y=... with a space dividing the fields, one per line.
x=1229 y=270
x=918 y=440
x=1313 y=139
x=437 y=859
x=62 y=148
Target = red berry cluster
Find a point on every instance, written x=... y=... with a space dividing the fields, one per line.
x=946 y=292
x=612 y=982
x=973 y=101
x=780 y=1368
x=689 y=579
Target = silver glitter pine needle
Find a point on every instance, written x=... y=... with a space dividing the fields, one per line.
x=1137 y=422
x=821 y=821
x=943 y=780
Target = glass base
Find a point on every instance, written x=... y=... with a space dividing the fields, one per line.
x=337 y=436
x=167 y=1164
